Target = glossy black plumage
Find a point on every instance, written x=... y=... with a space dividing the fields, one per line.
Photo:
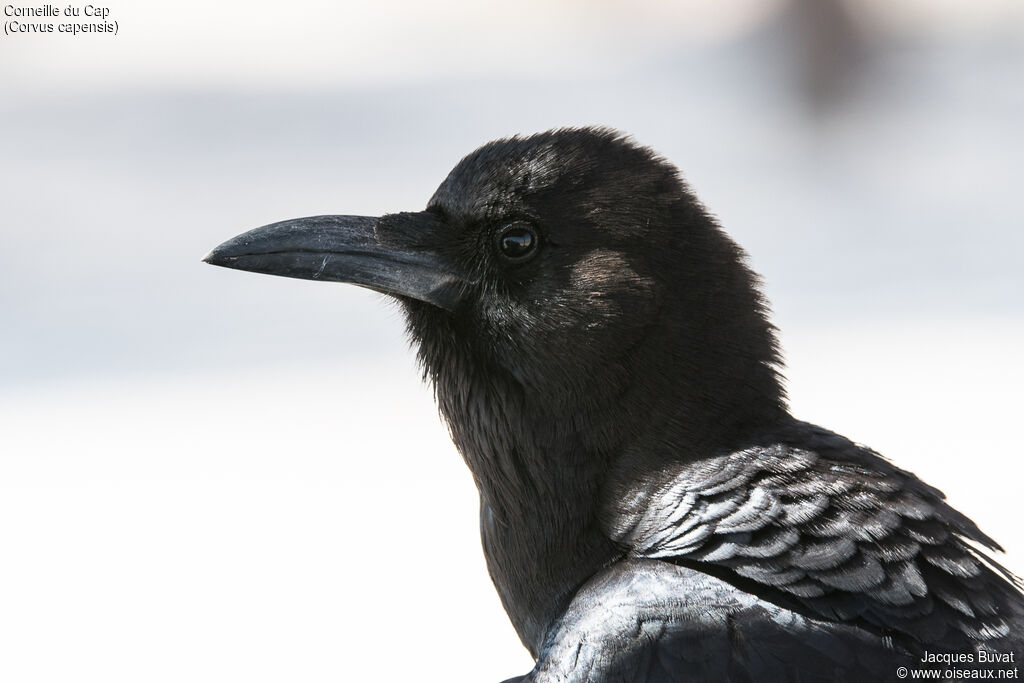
x=649 y=509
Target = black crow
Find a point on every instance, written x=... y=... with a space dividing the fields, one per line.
x=650 y=511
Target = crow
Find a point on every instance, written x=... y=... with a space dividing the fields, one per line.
x=649 y=509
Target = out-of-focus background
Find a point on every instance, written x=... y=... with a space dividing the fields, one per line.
x=209 y=475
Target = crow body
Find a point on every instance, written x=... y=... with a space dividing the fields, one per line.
x=649 y=509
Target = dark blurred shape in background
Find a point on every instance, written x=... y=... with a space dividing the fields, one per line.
x=830 y=48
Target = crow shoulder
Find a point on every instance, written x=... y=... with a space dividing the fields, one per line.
x=809 y=520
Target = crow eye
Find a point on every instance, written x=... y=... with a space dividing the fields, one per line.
x=517 y=242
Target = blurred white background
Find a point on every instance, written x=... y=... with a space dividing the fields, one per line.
x=208 y=475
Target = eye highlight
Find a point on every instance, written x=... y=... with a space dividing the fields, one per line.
x=517 y=241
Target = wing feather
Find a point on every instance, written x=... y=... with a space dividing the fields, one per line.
x=835 y=527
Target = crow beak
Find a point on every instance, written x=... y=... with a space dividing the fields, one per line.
x=396 y=254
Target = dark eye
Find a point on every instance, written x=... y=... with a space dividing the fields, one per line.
x=517 y=241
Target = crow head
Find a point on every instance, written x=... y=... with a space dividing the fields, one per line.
x=572 y=270
x=583 y=321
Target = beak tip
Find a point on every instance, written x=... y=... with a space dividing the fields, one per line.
x=217 y=257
